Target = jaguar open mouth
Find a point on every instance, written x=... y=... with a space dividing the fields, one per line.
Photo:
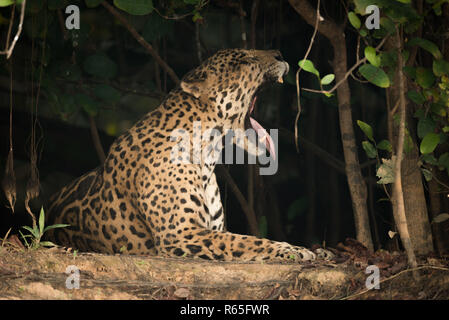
x=262 y=134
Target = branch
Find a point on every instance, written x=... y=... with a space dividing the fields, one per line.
x=96 y=140
x=254 y=10
x=350 y=71
x=11 y=22
x=198 y=42
x=201 y=5
x=299 y=70
x=395 y=276
x=9 y=49
x=249 y=212
x=142 y=41
x=242 y=15
x=325 y=27
x=398 y=195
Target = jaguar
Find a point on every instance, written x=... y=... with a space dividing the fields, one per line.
x=142 y=201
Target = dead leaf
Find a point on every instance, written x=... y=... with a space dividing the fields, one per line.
x=391 y=234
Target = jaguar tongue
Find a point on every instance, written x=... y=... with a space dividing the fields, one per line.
x=264 y=137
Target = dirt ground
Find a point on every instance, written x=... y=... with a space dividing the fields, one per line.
x=46 y=274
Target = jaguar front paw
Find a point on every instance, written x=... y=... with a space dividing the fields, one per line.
x=324 y=254
x=296 y=253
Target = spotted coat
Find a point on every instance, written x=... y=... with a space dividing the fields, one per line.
x=141 y=202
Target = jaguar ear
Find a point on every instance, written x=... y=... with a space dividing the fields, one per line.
x=195 y=88
x=194 y=83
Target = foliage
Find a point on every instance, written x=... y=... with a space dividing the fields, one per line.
x=308 y=66
x=430 y=82
x=37 y=232
x=78 y=70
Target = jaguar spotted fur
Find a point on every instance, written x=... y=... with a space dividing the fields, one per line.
x=141 y=202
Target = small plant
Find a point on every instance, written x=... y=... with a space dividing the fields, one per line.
x=37 y=232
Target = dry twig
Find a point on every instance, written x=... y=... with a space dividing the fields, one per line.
x=317 y=20
x=10 y=48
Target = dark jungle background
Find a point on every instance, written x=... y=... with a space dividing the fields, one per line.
x=65 y=83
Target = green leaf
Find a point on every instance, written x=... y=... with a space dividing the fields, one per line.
x=366 y=128
x=363 y=32
x=416 y=97
x=24 y=237
x=135 y=7
x=375 y=75
x=427 y=174
x=372 y=57
x=41 y=221
x=34 y=232
x=429 y=143
x=426 y=45
x=5 y=3
x=93 y=3
x=370 y=150
x=308 y=66
x=410 y=72
x=440 y=218
x=327 y=79
x=443 y=161
x=385 y=172
x=403 y=1
x=385 y=145
x=388 y=25
x=101 y=66
x=360 y=5
x=54 y=226
x=197 y=16
x=47 y=244
x=388 y=59
x=438 y=108
x=106 y=93
x=430 y=159
x=88 y=104
x=425 y=125
x=424 y=77
x=440 y=67
x=354 y=20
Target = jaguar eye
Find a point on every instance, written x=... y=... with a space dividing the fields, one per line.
x=278 y=57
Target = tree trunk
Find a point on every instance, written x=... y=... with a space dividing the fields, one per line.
x=357 y=186
x=413 y=190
